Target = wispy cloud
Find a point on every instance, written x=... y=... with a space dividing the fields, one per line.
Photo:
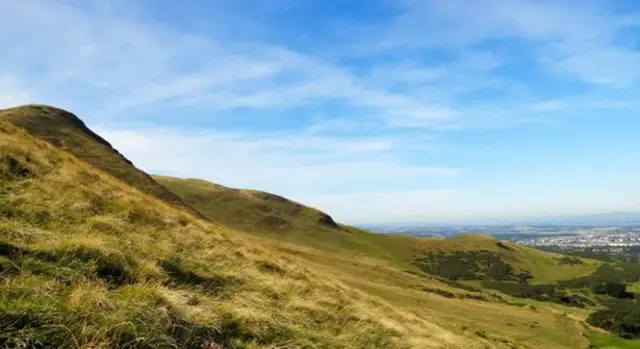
x=288 y=164
x=121 y=64
x=366 y=104
x=578 y=39
x=126 y=62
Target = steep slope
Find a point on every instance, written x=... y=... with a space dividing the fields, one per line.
x=88 y=260
x=66 y=131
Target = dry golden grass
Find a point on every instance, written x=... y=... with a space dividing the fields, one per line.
x=87 y=261
x=101 y=264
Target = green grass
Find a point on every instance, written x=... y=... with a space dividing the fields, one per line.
x=606 y=341
x=261 y=212
x=634 y=287
x=547 y=270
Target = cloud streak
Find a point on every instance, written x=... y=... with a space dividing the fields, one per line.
x=578 y=40
x=289 y=165
x=366 y=111
x=121 y=64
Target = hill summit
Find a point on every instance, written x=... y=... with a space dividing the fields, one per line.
x=66 y=131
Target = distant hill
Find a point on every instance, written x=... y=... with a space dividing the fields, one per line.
x=602 y=219
x=273 y=216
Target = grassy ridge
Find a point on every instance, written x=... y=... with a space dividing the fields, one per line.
x=87 y=260
x=66 y=131
x=248 y=210
x=270 y=215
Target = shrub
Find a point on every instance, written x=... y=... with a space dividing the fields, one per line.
x=623 y=318
x=613 y=289
x=480 y=265
x=543 y=293
x=568 y=260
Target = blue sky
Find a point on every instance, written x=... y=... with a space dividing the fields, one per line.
x=374 y=111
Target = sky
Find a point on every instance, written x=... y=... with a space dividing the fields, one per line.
x=374 y=111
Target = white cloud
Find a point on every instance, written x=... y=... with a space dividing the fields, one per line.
x=293 y=165
x=114 y=64
x=420 y=205
x=120 y=62
x=566 y=37
x=602 y=64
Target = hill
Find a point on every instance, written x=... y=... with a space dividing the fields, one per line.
x=270 y=215
x=66 y=131
x=91 y=258
x=89 y=261
x=248 y=209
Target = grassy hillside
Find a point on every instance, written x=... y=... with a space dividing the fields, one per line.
x=541 y=267
x=274 y=216
x=66 y=131
x=248 y=210
x=265 y=214
x=89 y=260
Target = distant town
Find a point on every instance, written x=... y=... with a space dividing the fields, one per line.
x=555 y=237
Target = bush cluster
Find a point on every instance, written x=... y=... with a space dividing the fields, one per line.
x=622 y=317
x=543 y=293
x=476 y=265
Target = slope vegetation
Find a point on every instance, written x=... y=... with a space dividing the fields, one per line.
x=93 y=259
